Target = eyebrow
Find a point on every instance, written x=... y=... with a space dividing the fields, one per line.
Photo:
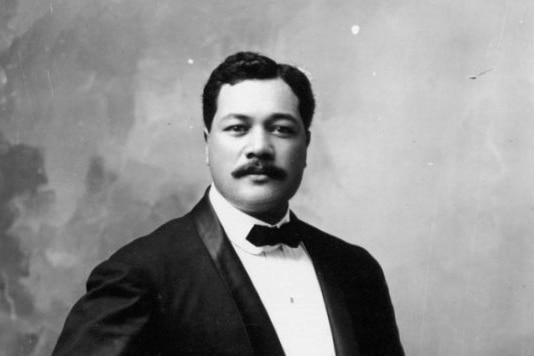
x=235 y=116
x=283 y=116
x=273 y=117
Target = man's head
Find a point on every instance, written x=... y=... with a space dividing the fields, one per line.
x=248 y=66
x=257 y=114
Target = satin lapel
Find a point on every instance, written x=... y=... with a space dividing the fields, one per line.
x=338 y=313
x=262 y=335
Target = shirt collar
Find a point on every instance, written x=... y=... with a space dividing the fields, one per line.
x=237 y=224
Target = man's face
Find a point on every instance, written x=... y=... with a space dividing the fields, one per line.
x=256 y=148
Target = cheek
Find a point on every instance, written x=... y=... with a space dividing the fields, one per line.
x=296 y=158
x=220 y=159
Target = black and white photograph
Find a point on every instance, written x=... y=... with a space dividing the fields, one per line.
x=266 y=178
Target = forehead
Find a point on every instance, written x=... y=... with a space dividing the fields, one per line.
x=257 y=98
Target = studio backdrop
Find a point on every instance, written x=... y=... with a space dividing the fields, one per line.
x=422 y=148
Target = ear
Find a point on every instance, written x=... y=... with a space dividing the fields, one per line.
x=206 y=151
x=308 y=140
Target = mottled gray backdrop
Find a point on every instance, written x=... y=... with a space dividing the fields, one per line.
x=422 y=148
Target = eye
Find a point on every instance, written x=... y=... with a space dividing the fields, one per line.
x=237 y=129
x=283 y=130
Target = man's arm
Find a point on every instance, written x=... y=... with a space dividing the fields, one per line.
x=380 y=327
x=111 y=318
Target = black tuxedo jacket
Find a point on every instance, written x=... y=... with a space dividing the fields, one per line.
x=182 y=290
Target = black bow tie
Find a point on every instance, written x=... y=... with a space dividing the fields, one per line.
x=270 y=236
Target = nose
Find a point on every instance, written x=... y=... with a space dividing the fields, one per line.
x=259 y=145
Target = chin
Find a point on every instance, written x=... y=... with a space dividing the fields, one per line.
x=264 y=199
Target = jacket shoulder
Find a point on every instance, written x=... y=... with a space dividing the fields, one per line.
x=322 y=237
x=175 y=235
x=338 y=249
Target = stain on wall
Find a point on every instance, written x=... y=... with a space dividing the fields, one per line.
x=421 y=148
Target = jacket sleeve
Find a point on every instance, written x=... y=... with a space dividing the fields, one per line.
x=382 y=335
x=111 y=318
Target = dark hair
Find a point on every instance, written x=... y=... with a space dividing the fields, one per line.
x=249 y=65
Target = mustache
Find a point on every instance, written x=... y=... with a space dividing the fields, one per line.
x=259 y=167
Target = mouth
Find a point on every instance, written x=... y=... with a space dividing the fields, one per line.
x=259 y=177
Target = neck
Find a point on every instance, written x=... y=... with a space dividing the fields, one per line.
x=266 y=211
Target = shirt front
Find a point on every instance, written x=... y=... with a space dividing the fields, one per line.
x=285 y=280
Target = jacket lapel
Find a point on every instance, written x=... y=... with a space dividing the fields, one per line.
x=262 y=336
x=341 y=325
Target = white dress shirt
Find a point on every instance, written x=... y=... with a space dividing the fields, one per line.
x=285 y=280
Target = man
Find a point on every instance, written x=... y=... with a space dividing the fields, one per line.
x=216 y=283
